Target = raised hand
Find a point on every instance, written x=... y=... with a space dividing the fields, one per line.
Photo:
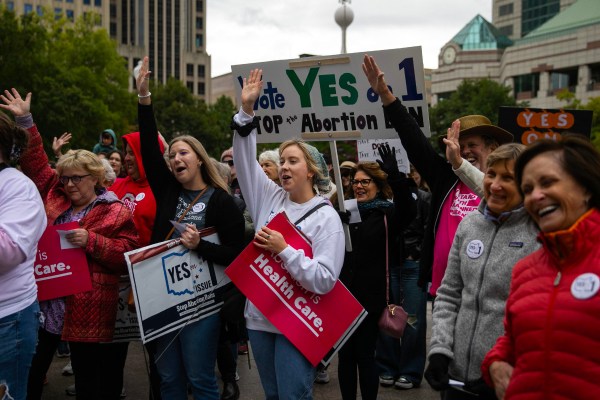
x=15 y=104
x=251 y=90
x=388 y=162
x=142 y=81
x=452 y=145
x=57 y=144
x=375 y=76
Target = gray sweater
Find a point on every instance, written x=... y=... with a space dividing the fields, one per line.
x=469 y=307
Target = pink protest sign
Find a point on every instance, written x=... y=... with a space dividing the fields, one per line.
x=60 y=269
x=316 y=324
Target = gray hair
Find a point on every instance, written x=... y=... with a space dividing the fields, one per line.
x=269 y=155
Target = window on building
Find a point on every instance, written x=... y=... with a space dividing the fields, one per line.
x=28 y=8
x=201 y=90
x=189 y=69
x=113 y=29
x=113 y=10
x=199 y=41
x=190 y=86
x=201 y=71
x=535 y=12
x=10 y=6
x=69 y=1
x=57 y=13
x=70 y=15
x=39 y=10
x=444 y=95
x=87 y=2
x=506 y=30
x=594 y=83
x=526 y=86
x=505 y=9
x=199 y=6
x=199 y=22
x=98 y=3
x=563 y=79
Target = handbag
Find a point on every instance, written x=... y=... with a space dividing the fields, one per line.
x=393 y=319
x=130 y=300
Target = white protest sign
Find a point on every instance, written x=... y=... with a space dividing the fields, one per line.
x=331 y=94
x=173 y=286
x=367 y=151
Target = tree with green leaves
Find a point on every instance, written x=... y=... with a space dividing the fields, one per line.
x=593 y=105
x=78 y=80
x=473 y=96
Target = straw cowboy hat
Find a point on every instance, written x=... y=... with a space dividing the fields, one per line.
x=471 y=125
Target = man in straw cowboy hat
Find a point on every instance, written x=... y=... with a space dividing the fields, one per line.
x=474 y=137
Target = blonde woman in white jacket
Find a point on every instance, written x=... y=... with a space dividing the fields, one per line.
x=284 y=372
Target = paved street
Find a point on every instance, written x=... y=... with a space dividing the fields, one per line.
x=136 y=381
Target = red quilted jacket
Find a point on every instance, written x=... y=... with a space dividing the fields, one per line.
x=552 y=318
x=89 y=316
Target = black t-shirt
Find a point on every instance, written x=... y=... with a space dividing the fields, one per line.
x=197 y=213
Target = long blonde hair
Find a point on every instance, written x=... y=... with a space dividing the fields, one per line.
x=210 y=175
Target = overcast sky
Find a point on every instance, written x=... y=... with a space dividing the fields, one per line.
x=241 y=31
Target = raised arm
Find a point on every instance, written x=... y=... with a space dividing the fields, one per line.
x=156 y=169
x=466 y=172
x=34 y=161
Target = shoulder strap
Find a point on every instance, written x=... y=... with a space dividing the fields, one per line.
x=309 y=212
x=186 y=211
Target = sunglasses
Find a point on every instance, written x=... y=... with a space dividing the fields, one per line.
x=363 y=182
x=75 y=179
x=228 y=162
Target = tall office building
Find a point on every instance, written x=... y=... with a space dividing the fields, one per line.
x=171 y=32
x=548 y=52
x=516 y=18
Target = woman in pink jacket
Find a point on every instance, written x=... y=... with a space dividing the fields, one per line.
x=551 y=345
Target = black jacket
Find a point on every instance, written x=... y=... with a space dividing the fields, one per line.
x=221 y=210
x=434 y=169
x=364 y=270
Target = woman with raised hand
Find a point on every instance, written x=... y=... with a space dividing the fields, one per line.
x=284 y=372
x=188 y=355
x=551 y=345
x=469 y=307
x=374 y=252
x=76 y=192
x=22 y=223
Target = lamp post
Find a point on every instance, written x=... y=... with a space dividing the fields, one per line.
x=344 y=17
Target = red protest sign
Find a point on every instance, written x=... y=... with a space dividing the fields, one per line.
x=60 y=270
x=316 y=324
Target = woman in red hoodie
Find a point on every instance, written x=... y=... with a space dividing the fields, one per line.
x=551 y=345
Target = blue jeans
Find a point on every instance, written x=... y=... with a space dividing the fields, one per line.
x=189 y=356
x=18 y=337
x=284 y=372
x=408 y=359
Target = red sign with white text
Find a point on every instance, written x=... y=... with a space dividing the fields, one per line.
x=60 y=270
x=316 y=324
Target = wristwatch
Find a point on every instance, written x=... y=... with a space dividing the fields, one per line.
x=245 y=129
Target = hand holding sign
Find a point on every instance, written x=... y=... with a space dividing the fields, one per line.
x=190 y=237
x=78 y=237
x=268 y=239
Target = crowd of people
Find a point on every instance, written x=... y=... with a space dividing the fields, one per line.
x=500 y=235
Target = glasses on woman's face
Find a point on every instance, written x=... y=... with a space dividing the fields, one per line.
x=363 y=182
x=228 y=162
x=75 y=179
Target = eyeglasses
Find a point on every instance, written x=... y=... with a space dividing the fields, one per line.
x=346 y=174
x=75 y=179
x=363 y=182
x=228 y=162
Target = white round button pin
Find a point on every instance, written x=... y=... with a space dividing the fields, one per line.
x=198 y=207
x=585 y=286
x=475 y=249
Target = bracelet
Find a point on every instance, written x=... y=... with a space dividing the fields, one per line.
x=144 y=96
